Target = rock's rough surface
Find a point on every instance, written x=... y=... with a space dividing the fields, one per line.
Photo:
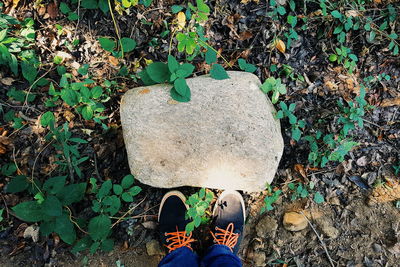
x=226 y=137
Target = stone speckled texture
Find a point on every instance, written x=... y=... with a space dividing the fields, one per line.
x=226 y=137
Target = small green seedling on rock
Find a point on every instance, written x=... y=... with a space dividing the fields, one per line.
x=198 y=204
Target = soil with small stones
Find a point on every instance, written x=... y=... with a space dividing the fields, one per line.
x=363 y=235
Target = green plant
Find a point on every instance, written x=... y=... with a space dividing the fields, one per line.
x=16 y=47
x=243 y=65
x=11 y=117
x=287 y=112
x=175 y=73
x=191 y=36
x=51 y=209
x=344 y=56
x=86 y=101
x=303 y=191
x=353 y=113
x=275 y=86
x=68 y=156
x=126 y=45
x=106 y=204
x=270 y=199
x=66 y=10
x=326 y=148
x=198 y=204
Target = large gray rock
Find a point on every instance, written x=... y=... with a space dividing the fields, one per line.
x=226 y=137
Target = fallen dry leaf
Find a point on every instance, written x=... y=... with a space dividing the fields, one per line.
x=7 y=81
x=389 y=102
x=245 y=35
x=280 y=45
x=181 y=20
x=52 y=9
x=113 y=60
x=300 y=169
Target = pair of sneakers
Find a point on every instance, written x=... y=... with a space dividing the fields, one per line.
x=228 y=221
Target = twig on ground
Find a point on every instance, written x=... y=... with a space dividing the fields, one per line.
x=320 y=240
x=129 y=211
x=74 y=222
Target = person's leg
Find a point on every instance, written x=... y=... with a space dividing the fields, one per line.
x=172 y=223
x=229 y=218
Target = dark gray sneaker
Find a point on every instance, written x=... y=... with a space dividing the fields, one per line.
x=172 y=222
x=229 y=218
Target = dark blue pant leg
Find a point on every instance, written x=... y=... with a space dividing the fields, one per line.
x=181 y=257
x=220 y=256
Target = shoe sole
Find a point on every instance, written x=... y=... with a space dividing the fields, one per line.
x=167 y=195
x=230 y=192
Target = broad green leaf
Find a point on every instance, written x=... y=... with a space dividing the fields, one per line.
x=69 y=96
x=185 y=70
x=65 y=229
x=181 y=87
x=54 y=185
x=104 y=189
x=99 y=227
x=117 y=189
x=103 y=5
x=127 y=197
x=336 y=14
x=107 y=44
x=90 y=4
x=83 y=70
x=127 y=181
x=318 y=198
x=28 y=71
x=30 y=211
x=82 y=244
x=17 y=184
x=94 y=247
x=332 y=58
x=52 y=206
x=218 y=72
x=128 y=44
x=72 y=16
x=135 y=190
x=158 y=72
x=47 y=118
x=71 y=193
x=173 y=64
x=211 y=56
x=189 y=227
x=47 y=227
x=176 y=96
x=64 y=8
x=107 y=245
x=96 y=92
x=87 y=112
x=175 y=9
x=144 y=76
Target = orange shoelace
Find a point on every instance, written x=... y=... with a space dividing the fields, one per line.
x=178 y=240
x=226 y=236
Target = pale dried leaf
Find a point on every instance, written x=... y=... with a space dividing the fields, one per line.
x=181 y=20
x=389 y=102
x=280 y=45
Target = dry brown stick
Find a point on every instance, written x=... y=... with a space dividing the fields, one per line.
x=129 y=211
x=320 y=240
